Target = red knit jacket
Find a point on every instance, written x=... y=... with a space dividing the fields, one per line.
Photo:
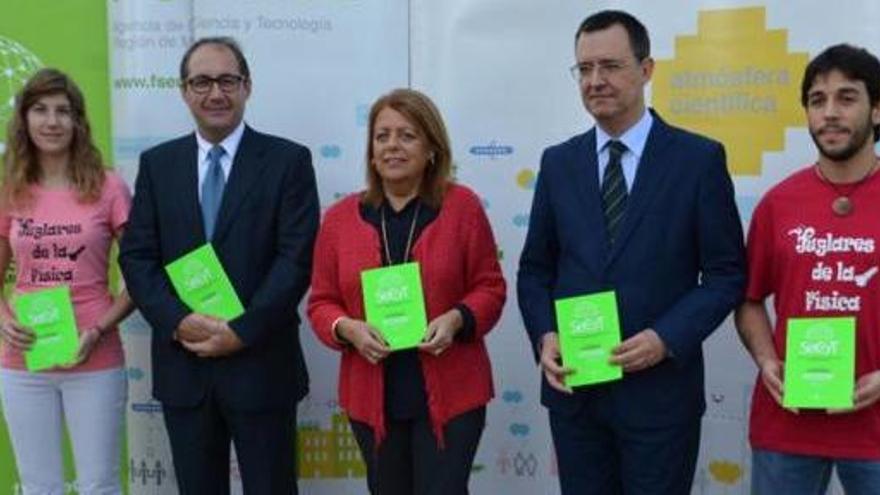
x=459 y=264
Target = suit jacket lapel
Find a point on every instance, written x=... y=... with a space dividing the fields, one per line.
x=247 y=166
x=585 y=173
x=188 y=181
x=648 y=175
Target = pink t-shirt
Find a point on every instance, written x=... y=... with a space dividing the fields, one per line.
x=58 y=240
x=816 y=263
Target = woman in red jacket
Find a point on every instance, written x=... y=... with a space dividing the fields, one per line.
x=417 y=414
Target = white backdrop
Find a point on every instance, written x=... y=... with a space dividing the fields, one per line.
x=498 y=71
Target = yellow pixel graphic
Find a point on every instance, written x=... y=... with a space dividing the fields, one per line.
x=735 y=81
x=725 y=472
x=525 y=179
x=329 y=453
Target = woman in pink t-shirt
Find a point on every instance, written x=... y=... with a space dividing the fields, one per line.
x=59 y=213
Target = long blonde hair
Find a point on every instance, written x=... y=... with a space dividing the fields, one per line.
x=22 y=168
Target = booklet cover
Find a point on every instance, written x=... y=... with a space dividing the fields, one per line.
x=589 y=328
x=49 y=313
x=203 y=285
x=820 y=363
x=394 y=304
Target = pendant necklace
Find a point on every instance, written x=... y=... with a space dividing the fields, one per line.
x=409 y=239
x=842 y=205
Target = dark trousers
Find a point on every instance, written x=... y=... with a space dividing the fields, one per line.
x=598 y=456
x=264 y=446
x=409 y=461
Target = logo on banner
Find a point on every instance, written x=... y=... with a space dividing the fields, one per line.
x=362 y=115
x=150 y=407
x=525 y=179
x=725 y=472
x=147 y=472
x=512 y=396
x=519 y=429
x=17 y=64
x=328 y=454
x=135 y=374
x=493 y=150
x=736 y=81
x=331 y=151
x=521 y=464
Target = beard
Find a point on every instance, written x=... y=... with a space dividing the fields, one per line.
x=858 y=137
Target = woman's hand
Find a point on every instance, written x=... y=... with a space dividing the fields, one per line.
x=441 y=332
x=366 y=339
x=88 y=339
x=16 y=335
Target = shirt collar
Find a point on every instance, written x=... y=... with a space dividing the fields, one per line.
x=229 y=144
x=634 y=138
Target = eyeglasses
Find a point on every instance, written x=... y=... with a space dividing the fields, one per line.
x=227 y=83
x=604 y=68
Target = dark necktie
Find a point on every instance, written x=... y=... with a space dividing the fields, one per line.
x=212 y=190
x=613 y=189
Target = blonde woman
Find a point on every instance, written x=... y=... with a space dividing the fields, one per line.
x=417 y=414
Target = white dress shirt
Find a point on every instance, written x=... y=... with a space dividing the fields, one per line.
x=635 y=139
x=229 y=145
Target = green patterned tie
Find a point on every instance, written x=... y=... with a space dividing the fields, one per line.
x=613 y=189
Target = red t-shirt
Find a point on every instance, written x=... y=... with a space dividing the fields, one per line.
x=815 y=263
x=59 y=240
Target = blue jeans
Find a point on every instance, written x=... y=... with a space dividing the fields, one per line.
x=775 y=473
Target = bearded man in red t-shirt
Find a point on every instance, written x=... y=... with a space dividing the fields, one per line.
x=812 y=245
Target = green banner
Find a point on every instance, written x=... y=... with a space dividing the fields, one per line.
x=8 y=478
x=70 y=35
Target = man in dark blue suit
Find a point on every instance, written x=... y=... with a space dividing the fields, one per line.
x=646 y=210
x=253 y=197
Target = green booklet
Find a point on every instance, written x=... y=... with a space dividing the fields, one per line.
x=394 y=304
x=820 y=363
x=203 y=285
x=589 y=328
x=49 y=313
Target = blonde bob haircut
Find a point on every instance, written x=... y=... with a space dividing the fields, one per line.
x=421 y=112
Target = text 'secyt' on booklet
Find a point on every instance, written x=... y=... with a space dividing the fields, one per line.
x=202 y=284
x=819 y=363
x=589 y=329
x=49 y=313
x=395 y=305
